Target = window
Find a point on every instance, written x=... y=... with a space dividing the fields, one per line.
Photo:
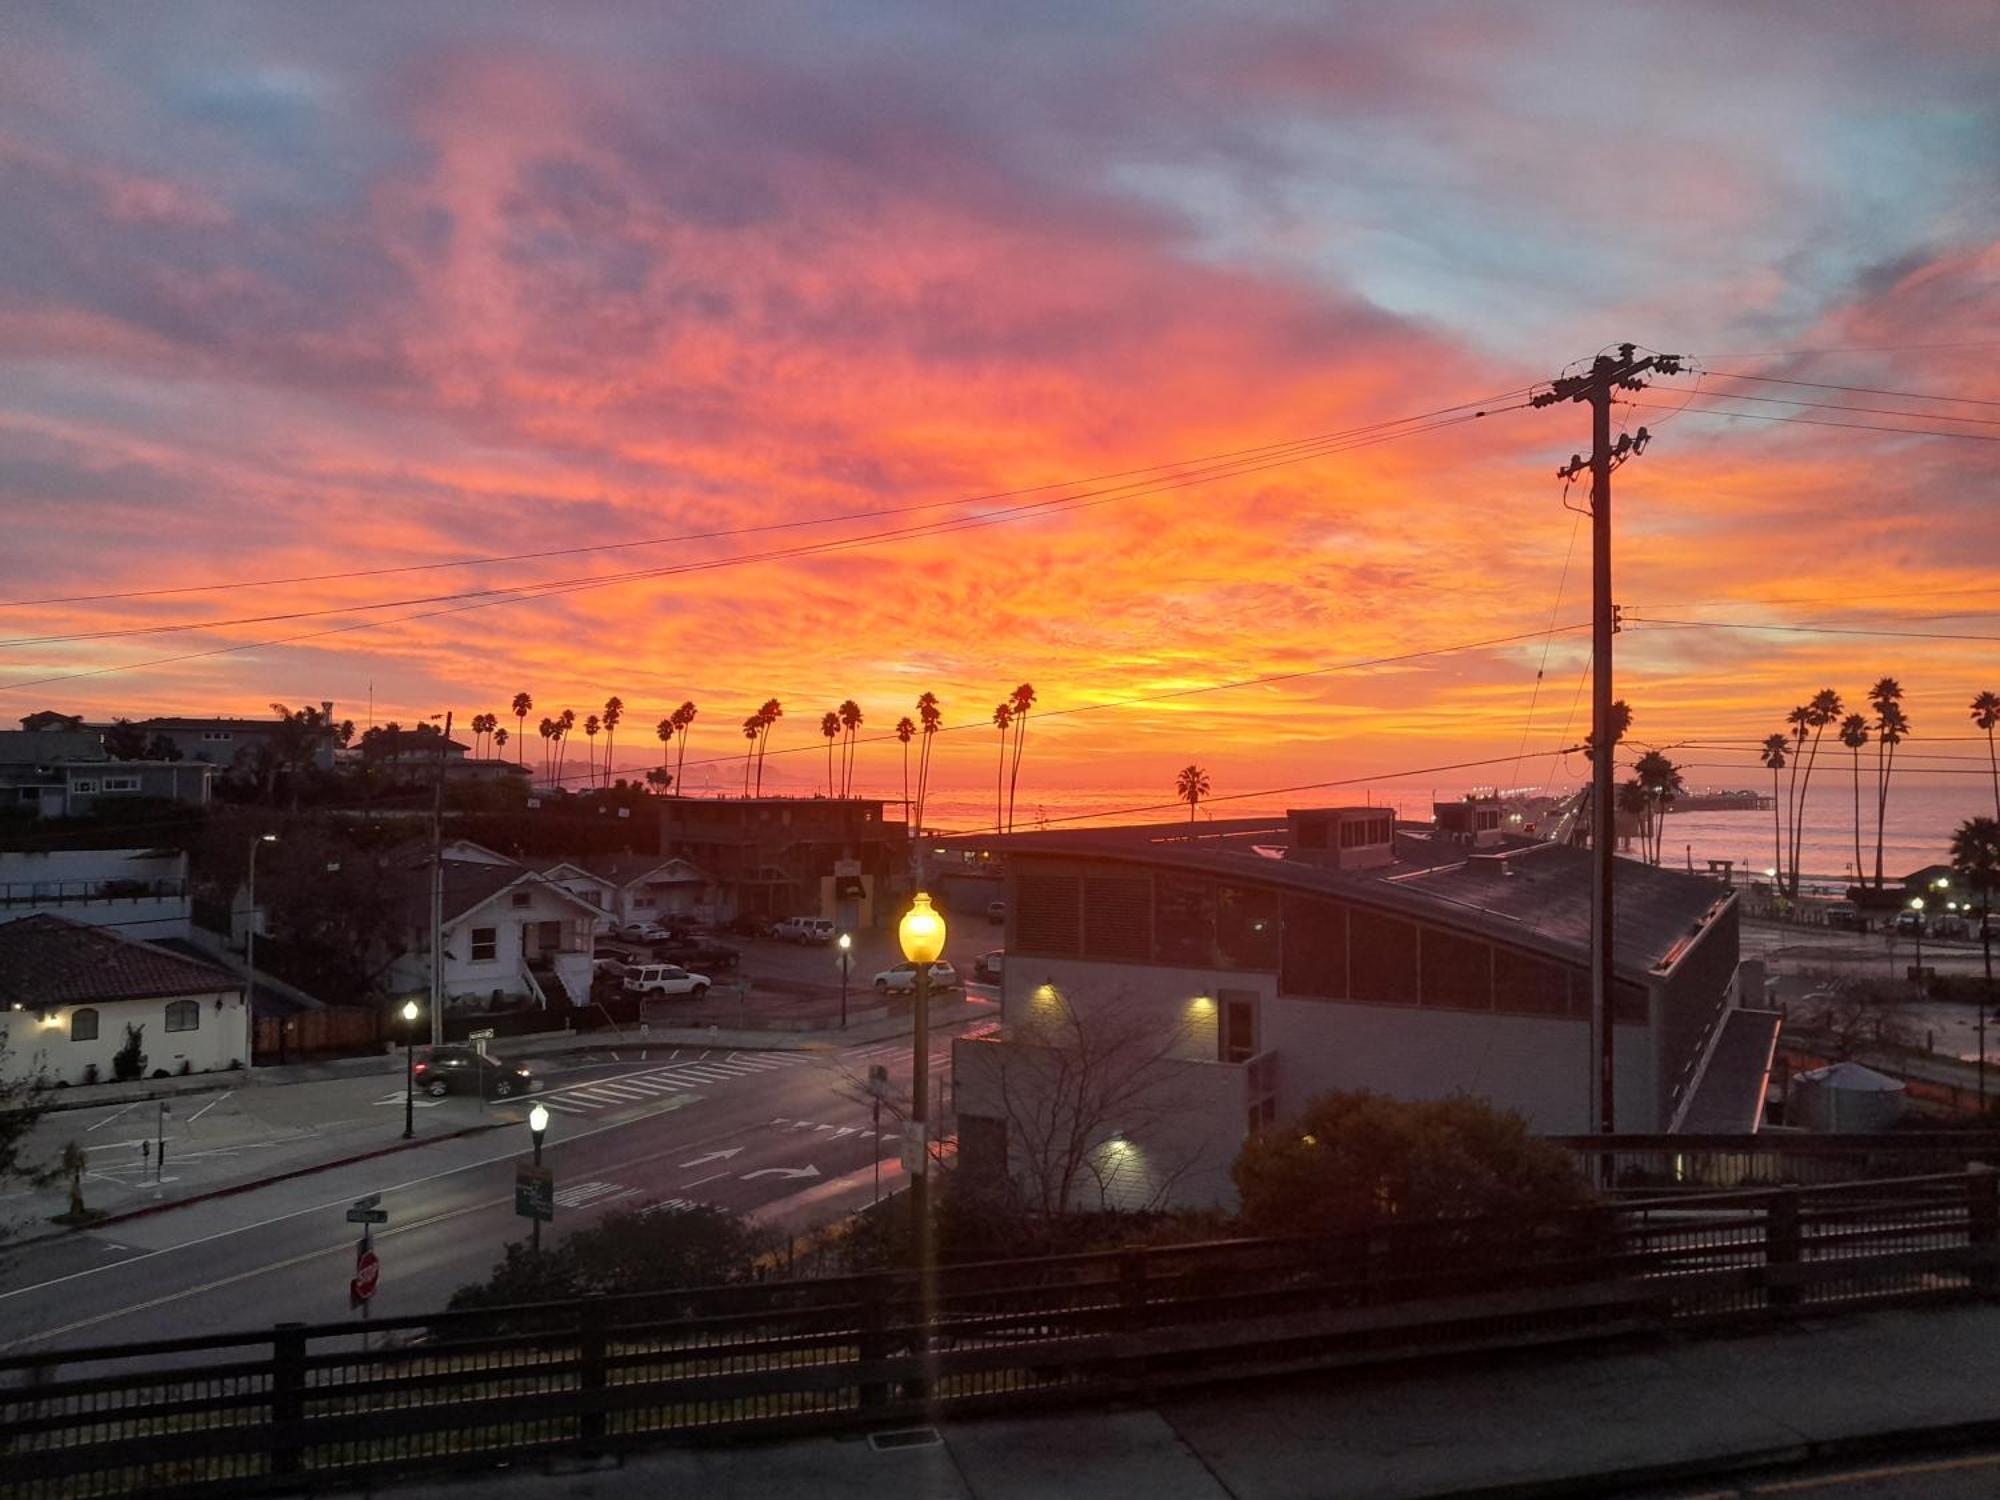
x=1314 y=949
x=1046 y=915
x=183 y=1015
x=1118 y=917
x=1238 y=1032
x=217 y=736
x=523 y=898
x=87 y=785
x=485 y=944
x=1382 y=958
x=83 y=1025
x=121 y=783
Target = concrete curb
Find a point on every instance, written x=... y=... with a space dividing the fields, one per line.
x=250 y=1185
x=1899 y=1442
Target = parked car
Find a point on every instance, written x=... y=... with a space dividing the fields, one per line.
x=1909 y=924
x=986 y=968
x=1950 y=925
x=666 y=981
x=1843 y=916
x=805 y=930
x=753 y=927
x=903 y=978
x=996 y=911
x=461 y=1070
x=641 y=932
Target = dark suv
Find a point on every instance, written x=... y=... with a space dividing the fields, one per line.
x=461 y=1070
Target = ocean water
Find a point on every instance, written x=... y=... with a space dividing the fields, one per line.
x=1917 y=832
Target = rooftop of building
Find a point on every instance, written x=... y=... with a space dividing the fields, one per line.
x=49 y=960
x=1515 y=888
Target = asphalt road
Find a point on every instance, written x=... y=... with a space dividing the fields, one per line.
x=786 y=1137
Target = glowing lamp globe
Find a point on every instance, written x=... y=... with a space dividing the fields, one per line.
x=538 y=1119
x=922 y=931
x=409 y=1010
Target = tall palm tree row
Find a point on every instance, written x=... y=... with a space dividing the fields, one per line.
x=1022 y=700
x=565 y=722
x=753 y=727
x=930 y=717
x=1660 y=785
x=1854 y=735
x=1191 y=785
x=590 y=728
x=523 y=706
x=1003 y=715
x=614 y=710
x=683 y=718
x=1775 y=749
x=1892 y=725
x=1813 y=716
x=829 y=726
x=1986 y=714
x=850 y=724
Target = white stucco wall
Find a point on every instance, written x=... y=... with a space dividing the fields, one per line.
x=221 y=1036
x=466 y=978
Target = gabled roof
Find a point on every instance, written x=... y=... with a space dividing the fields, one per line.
x=48 y=961
x=615 y=870
x=467 y=887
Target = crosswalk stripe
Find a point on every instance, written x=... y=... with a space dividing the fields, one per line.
x=557 y=1103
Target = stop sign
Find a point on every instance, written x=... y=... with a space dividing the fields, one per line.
x=367 y=1273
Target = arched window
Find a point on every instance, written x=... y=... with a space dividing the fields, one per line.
x=83 y=1025
x=183 y=1015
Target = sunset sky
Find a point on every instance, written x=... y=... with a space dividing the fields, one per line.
x=293 y=290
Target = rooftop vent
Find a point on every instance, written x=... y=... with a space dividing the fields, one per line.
x=1342 y=838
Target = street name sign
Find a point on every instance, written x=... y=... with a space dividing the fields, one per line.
x=484 y=1034
x=535 y=1193
x=360 y=1215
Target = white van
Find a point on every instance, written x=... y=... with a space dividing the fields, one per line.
x=805 y=930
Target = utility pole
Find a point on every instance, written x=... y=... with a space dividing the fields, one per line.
x=437 y=896
x=1607 y=374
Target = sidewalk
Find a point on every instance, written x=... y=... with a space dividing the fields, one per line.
x=1622 y=1420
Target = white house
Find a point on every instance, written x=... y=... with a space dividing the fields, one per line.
x=510 y=933
x=143 y=893
x=634 y=887
x=68 y=992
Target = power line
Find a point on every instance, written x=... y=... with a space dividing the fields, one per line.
x=1061 y=504
x=1851 y=349
x=1283 y=791
x=1913 y=635
x=1755 y=416
x=1858 y=390
x=736 y=531
x=1879 y=411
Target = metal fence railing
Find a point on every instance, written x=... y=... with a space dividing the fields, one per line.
x=344 y=1403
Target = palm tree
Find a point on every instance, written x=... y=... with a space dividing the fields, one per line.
x=1191 y=786
x=1975 y=860
x=500 y=738
x=1891 y=725
x=1659 y=781
x=548 y=732
x=850 y=722
x=753 y=727
x=590 y=728
x=766 y=716
x=1023 y=700
x=1822 y=709
x=1003 y=715
x=1986 y=714
x=905 y=732
x=829 y=725
x=1854 y=735
x=683 y=718
x=1775 y=748
x=565 y=722
x=523 y=706
x=664 y=732
x=929 y=716
x=614 y=710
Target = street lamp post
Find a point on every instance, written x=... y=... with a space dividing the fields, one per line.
x=1917 y=906
x=922 y=934
x=409 y=1069
x=250 y=947
x=846 y=959
x=538 y=1126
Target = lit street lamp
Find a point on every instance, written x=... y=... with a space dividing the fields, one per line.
x=538 y=1126
x=921 y=934
x=409 y=1069
x=1917 y=906
x=846 y=960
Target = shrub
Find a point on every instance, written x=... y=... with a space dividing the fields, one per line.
x=90 y=1074
x=1353 y=1159
x=129 y=1061
x=186 y=1067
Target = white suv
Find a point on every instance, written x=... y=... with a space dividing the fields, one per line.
x=805 y=930
x=903 y=978
x=665 y=981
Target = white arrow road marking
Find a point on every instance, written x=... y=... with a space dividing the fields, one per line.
x=702 y=1161
x=700 y=1180
x=781 y=1172
x=420 y=1101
